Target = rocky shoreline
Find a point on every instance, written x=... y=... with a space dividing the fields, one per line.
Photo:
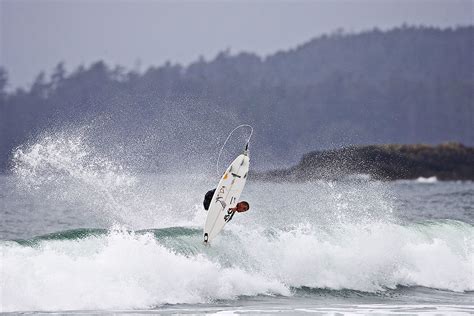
x=448 y=161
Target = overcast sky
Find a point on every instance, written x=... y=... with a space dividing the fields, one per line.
x=37 y=34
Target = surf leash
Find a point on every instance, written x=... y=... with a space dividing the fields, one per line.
x=228 y=137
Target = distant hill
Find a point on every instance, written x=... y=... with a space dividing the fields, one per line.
x=405 y=85
x=449 y=161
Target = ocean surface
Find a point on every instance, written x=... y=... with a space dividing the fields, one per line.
x=81 y=234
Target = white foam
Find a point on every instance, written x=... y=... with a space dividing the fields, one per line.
x=427 y=180
x=369 y=257
x=121 y=270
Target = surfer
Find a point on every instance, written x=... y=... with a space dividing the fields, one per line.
x=242 y=206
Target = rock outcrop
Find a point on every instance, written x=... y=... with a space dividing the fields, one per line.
x=449 y=161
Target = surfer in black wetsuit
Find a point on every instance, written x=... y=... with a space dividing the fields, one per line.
x=208 y=198
x=242 y=206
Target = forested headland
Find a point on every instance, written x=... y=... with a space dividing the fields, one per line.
x=404 y=85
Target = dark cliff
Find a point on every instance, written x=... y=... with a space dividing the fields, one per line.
x=450 y=161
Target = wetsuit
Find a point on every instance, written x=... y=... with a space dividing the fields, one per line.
x=208 y=198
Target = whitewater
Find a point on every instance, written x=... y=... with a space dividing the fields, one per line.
x=82 y=232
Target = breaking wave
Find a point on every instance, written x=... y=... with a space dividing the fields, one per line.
x=321 y=236
x=118 y=269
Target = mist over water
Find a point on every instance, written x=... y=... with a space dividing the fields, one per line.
x=83 y=229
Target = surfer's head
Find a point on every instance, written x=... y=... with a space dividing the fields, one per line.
x=242 y=206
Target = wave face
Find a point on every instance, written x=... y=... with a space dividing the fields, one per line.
x=143 y=247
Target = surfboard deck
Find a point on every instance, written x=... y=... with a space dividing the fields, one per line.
x=226 y=196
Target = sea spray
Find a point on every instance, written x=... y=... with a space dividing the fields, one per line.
x=64 y=166
x=67 y=170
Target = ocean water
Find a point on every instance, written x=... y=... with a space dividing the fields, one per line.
x=82 y=234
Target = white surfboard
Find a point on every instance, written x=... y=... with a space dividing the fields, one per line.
x=226 y=196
